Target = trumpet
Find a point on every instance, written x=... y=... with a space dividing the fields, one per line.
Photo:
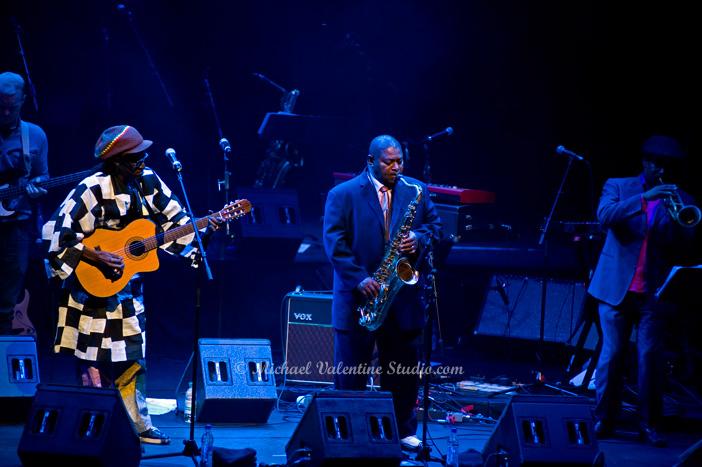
x=685 y=215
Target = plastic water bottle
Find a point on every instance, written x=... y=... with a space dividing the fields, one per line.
x=206 y=447
x=188 y=411
x=452 y=452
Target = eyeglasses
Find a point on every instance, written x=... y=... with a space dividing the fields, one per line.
x=132 y=158
x=10 y=108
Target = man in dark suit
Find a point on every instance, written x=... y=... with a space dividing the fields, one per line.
x=643 y=243
x=360 y=218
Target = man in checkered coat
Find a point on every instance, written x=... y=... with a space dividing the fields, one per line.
x=107 y=335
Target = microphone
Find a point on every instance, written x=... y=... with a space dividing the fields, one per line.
x=18 y=28
x=171 y=154
x=501 y=290
x=123 y=9
x=224 y=144
x=448 y=131
x=563 y=151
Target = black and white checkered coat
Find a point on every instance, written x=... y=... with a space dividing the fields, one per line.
x=112 y=328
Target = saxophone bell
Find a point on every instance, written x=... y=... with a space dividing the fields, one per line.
x=405 y=272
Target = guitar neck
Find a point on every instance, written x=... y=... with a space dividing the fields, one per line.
x=65 y=179
x=15 y=191
x=174 y=234
x=233 y=210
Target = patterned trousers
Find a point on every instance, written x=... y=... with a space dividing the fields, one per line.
x=129 y=378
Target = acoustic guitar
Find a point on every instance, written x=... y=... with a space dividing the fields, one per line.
x=136 y=244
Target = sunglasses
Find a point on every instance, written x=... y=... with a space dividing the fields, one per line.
x=135 y=159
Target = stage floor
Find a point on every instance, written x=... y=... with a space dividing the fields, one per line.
x=269 y=439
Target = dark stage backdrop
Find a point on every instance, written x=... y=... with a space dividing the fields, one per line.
x=514 y=80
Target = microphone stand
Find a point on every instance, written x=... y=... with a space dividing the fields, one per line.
x=432 y=309
x=191 y=450
x=540 y=379
x=544 y=241
x=427 y=167
x=224 y=182
x=30 y=85
x=148 y=57
x=425 y=142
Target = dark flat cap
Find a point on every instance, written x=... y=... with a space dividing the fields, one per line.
x=662 y=146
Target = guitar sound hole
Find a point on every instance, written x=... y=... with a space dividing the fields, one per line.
x=136 y=249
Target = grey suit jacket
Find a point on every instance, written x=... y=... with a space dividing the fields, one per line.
x=620 y=213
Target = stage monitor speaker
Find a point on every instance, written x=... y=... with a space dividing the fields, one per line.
x=273 y=227
x=75 y=425
x=512 y=308
x=347 y=428
x=19 y=376
x=309 y=346
x=235 y=381
x=691 y=457
x=544 y=430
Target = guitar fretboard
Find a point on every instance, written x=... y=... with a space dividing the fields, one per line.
x=162 y=238
x=15 y=191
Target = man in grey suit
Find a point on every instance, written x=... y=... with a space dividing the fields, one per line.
x=360 y=217
x=643 y=243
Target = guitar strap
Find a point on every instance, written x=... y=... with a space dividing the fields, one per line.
x=24 y=135
x=140 y=200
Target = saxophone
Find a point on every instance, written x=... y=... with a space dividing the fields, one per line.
x=395 y=270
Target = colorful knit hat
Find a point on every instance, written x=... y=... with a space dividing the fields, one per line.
x=118 y=140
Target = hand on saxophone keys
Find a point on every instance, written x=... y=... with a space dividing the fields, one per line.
x=369 y=288
x=409 y=243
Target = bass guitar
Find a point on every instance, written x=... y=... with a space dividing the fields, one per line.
x=135 y=244
x=8 y=192
x=20 y=319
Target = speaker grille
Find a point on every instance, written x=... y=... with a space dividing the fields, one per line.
x=521 y=317
x=309 y=351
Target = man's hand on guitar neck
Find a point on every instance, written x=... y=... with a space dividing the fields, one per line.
x=34 y=191
x=215 y=222
x=108 y=262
